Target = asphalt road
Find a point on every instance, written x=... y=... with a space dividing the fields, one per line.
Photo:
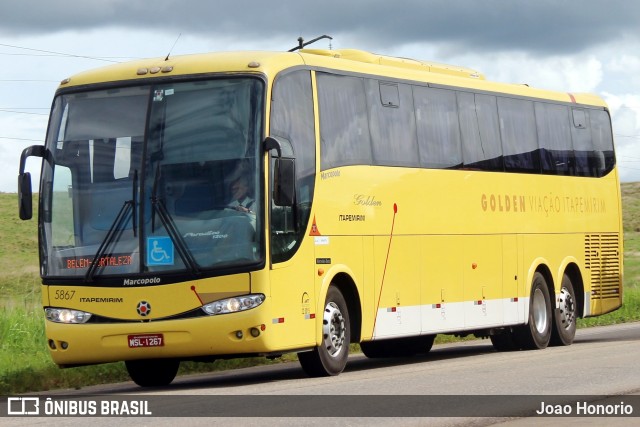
x=461 y=384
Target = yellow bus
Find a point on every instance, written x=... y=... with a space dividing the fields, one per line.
x=237 y=204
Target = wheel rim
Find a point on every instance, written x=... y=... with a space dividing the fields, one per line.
x=333 y=329
x=540 y=317
x=567 y=309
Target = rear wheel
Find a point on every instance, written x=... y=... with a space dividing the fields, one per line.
x=330 y=357
x=537 y=333
x=564 y=319
x=152 y=372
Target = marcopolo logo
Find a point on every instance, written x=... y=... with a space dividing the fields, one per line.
x=145 y=281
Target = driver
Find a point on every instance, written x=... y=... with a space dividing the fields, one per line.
x=240 y=196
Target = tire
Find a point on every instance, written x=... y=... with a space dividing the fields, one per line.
x=536 y=334
x=330 y=357
x=398 y=347
x=152 y=372
x=504 y=341
x=564 y=319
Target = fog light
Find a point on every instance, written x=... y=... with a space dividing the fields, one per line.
x=64 y=345
x=239 y=335
x=255 y=332
x=52 y=344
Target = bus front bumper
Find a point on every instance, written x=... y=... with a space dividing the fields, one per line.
x=243 y=333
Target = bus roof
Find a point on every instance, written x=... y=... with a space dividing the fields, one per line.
x=392 y=61
x=348 y=60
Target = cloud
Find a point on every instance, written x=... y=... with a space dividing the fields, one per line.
x=542 y=26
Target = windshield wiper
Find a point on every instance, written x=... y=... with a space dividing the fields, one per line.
x=169 y=225
x=116 y=227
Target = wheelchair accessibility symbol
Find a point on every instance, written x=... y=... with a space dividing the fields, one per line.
x=159 y=251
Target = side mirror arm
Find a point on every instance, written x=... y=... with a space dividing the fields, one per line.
x=270 y=143
x=35 y=151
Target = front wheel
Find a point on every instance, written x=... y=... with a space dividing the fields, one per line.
x=152 y=372
x=330 y=357
x=564 y=320
x=537 y=333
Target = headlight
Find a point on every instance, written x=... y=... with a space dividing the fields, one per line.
x=233 y=305
x=65 y=315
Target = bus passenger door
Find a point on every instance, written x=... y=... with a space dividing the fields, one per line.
x=292 y=281
x=293 y=300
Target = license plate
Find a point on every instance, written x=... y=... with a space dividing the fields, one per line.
x=148 y=340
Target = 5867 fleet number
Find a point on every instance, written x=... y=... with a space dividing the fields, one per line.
x=63 y=295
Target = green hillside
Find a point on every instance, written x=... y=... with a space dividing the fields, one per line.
x=19 y=278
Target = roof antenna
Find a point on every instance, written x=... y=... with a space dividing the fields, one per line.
x=174 y=45
x=302 y=44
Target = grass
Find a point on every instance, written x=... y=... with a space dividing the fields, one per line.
x=25 y=364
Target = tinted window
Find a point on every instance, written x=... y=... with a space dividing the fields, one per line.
x=438 y=128
x=554 y=138
x=392 y=123
x=518 y=131
x=582 y=144
x=292 y=119
x=344 y=128
x=480 y=131
x=602 y=141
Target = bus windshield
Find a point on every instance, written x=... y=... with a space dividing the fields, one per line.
x=153 y=178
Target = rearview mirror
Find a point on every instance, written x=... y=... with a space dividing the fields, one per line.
x=25 y=204
x=284 y=171
x=284 y=182
x=25 y=194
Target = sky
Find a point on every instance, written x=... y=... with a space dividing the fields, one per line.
x=569 y=46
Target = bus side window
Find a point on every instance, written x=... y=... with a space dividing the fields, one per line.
x=438 y=127
x=602 y=141
x=554 y=138
x=480 y=132
x=518 y=131
x=582 y=144
x=392 y=123
x=344 y=125
x=292 y=119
